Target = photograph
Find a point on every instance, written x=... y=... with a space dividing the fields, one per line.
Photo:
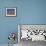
x=10 y=11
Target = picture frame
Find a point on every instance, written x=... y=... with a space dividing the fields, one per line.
x=10 y=11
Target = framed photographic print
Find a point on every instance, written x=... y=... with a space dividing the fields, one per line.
x=10 y=11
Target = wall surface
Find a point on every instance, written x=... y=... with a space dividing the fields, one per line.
x=8 y=24
x=28 y=12
x=33 y=12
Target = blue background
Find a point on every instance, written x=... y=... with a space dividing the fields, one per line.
x=28 y=12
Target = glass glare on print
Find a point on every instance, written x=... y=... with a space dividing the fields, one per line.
x=10 y=11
